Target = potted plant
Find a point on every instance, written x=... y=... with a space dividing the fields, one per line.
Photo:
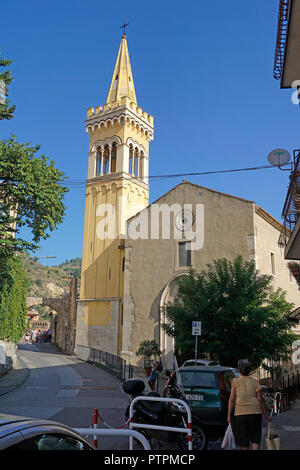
x=145 y=350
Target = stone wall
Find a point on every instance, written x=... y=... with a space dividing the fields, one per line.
x=8 y=356
x=63 y=320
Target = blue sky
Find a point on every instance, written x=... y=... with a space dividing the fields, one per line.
x=202 y=69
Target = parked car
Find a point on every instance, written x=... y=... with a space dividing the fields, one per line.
x=21 y=433
x=235 y=371
x=200 y=362
x=207 y=390
x=205 y=362
x=43 y=337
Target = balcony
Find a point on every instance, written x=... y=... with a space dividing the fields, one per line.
x=290 y=234
x=287 y=50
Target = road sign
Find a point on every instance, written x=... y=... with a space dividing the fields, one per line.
x=196 y=328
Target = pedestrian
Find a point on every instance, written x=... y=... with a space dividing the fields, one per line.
x=248 y=404
x=156 y=366
x=33 y=336
x=37 y=336
x=49 y=335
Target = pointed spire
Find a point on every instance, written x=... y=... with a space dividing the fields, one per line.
x=122 y=80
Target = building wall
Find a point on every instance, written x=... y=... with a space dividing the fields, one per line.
x=8 y=356
x=267 y=232
x=232 y=227
x=151 y=264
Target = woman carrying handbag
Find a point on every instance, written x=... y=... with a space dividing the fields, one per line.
x=272 y=438
x=248 y=404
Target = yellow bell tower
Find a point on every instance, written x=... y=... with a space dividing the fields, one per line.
x=117 y=188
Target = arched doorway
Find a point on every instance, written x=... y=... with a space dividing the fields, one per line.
x=63 y=321
x=169 y=294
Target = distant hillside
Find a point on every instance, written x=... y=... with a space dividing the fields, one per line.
x=72 y=266
x=50 y=281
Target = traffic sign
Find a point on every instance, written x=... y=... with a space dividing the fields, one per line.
x=196 y=328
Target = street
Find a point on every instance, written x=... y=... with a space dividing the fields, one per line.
x=64 y=389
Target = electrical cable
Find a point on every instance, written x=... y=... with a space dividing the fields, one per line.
x=81 y=183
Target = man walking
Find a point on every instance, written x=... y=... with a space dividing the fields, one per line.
x=156 y=366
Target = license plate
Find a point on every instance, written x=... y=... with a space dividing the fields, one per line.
x=193 y=397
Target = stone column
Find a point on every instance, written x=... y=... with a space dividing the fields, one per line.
x=101 y=161
x=109 y=159
x=138 y=156
x=92 y=164
x=133 y=163
x=145 y=168
x=122 y=163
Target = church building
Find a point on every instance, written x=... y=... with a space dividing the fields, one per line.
x=133 y=252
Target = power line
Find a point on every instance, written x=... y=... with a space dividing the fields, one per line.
x=82 y=183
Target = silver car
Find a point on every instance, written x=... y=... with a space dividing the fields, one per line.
x=21 y=433
x=200 y=362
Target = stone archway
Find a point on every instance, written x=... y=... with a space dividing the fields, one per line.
x=169 y=294
x=64 y=321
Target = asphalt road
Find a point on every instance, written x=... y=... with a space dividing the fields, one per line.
x=65 y=389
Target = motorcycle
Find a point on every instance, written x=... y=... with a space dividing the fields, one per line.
x=169 y=414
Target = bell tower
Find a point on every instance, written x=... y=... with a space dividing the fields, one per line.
x=117 y=188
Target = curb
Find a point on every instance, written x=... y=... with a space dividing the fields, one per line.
x=14 y=378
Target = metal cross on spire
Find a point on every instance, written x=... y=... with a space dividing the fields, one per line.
x=124 y=27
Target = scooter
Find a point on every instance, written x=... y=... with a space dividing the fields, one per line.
x=163 y=414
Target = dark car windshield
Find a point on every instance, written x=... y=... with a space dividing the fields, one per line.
x=199 y=379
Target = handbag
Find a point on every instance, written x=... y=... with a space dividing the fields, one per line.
x=228 y=441
x=272 y=439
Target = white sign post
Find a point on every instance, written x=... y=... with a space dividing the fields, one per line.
x=196 y=331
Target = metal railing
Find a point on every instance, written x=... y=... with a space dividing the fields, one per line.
x=282 y=29
x=291 y=209
x=290 y=389
x=187 y=430
x=113 y=364
x=115 y=432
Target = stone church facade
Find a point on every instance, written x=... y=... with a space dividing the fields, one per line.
x=133 y=252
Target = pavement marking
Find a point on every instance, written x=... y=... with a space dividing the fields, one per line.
x=291 y=428
x=87 y=387
x=37 y=387
x=67 y=394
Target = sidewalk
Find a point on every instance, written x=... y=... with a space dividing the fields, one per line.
x=14 y=378
x=139 y=373
x=288 y=426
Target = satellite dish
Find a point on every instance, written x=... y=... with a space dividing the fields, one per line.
x=279 y=157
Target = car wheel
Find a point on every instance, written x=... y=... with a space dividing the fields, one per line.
x=199 y=439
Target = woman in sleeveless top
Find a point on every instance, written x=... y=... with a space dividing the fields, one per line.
x=248 y=404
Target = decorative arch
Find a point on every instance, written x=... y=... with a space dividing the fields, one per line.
x=169 y=294
x=107 y=141
x=135 y=144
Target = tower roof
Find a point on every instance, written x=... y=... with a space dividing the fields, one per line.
x=122 y=81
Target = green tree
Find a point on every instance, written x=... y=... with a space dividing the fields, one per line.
x=14 y=286
x=6 y=111
x=31 y=194
x=242 y=315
